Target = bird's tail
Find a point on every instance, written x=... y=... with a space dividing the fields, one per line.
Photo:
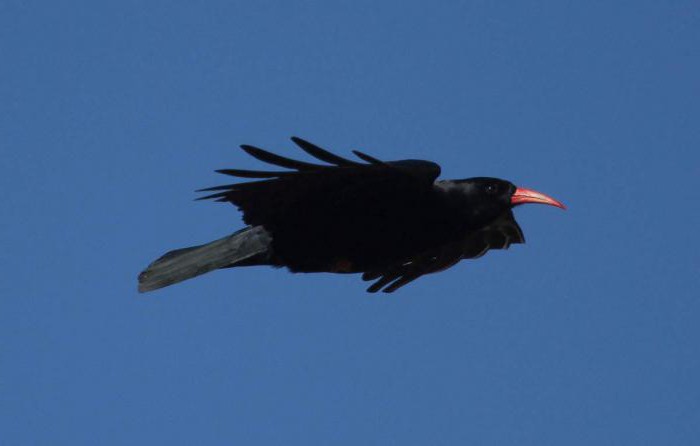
x=243 y=247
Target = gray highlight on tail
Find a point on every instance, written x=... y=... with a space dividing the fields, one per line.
x=186 y=263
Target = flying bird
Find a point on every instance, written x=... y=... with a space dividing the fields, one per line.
x=391 y=221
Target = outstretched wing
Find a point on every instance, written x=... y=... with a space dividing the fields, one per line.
x=500 y=234
x=276 y=194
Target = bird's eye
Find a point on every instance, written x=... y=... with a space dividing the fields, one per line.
x=491 y=189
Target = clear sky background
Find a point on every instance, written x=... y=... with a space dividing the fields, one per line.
x=112 y=113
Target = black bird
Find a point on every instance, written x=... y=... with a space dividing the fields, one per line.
x=392 y=221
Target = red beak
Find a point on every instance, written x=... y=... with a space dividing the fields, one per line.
x=522 y=195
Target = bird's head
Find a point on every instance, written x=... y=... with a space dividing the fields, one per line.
x=488 y=198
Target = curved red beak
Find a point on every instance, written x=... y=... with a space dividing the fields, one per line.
x=522 y=195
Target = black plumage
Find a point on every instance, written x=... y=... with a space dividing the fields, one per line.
x=391 y=221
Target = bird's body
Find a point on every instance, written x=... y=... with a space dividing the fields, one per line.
x=391 y=221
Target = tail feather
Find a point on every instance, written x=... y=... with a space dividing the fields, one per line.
x=186 y=263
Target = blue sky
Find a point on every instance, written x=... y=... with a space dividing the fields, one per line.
x=114 y=112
